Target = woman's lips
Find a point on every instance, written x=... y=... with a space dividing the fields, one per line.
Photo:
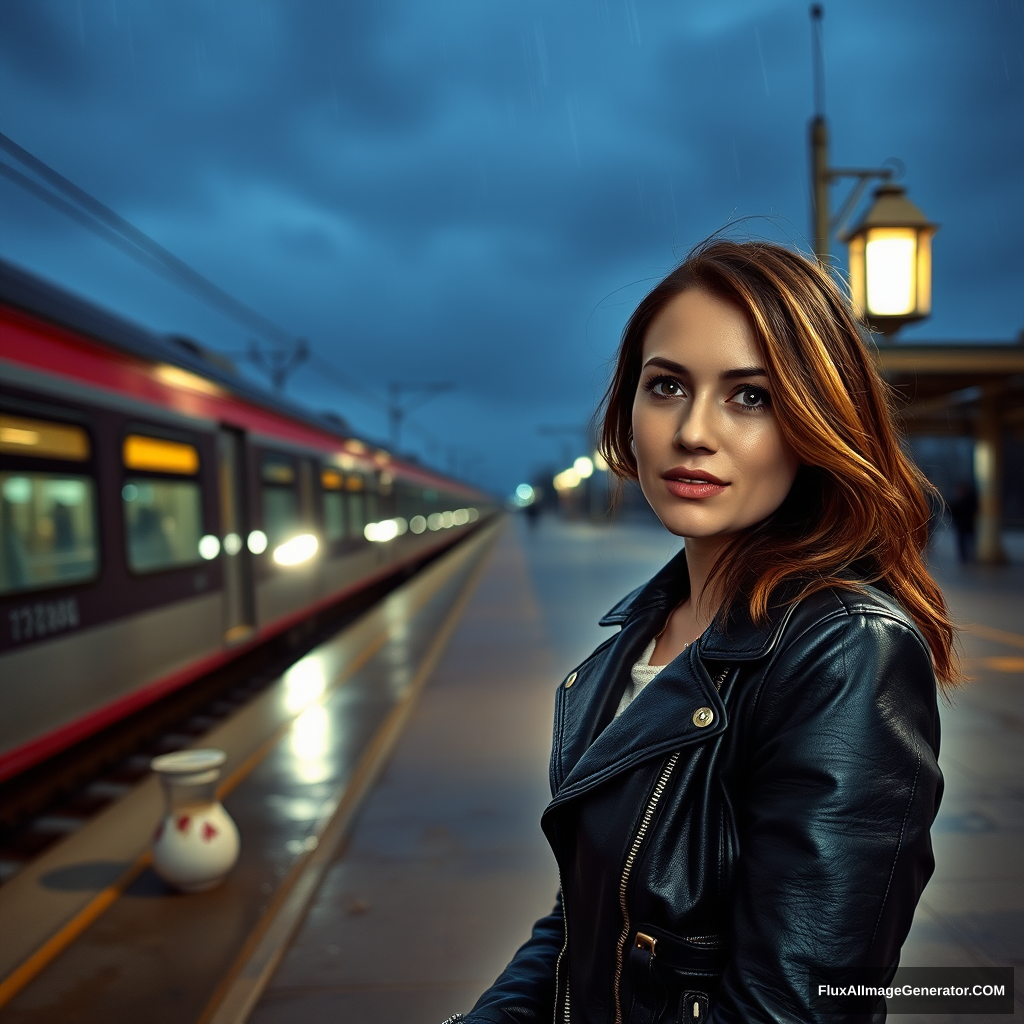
x=696 y=484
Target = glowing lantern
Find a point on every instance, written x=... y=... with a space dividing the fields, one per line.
x=891 y=261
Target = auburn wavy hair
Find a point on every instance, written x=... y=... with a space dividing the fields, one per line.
x=858 y=510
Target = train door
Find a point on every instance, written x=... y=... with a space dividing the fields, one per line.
x=239 y=605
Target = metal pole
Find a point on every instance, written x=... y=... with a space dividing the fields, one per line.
x=819 y=188
x=818 y=144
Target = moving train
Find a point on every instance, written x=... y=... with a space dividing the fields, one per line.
x=159 y=516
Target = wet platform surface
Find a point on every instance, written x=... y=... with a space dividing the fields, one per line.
x=412 y=900
x=446 y=868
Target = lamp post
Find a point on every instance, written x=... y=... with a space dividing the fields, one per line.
x=890 y=248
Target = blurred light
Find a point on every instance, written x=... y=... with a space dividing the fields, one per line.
x=599 y=463
x=584 y=466
x=524 y=495
x=567 y=480
x=175 y=377
x=417 y=524
x=473 y=514
x=18 y=490
x=155 y=455
x=129 y=492
x=460 y=516
x=209 y=546
x=304 y=682
x=381 y=532
x=297 y=550
x=232 y=543
x=257 y=542
x=435 y=521
x=446 y=520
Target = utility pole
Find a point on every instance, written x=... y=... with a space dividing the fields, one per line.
x=397 y=412
x=279 y=364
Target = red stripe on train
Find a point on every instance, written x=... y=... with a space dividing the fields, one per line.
x=52 y=743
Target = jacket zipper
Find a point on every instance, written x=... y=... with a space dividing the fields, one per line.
x=634 y=850
x=558 y=963
x=638 y=840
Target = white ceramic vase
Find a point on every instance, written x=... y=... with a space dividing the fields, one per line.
x=196 y=843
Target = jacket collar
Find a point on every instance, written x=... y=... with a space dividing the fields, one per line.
x=660 y=720
x=740 y=639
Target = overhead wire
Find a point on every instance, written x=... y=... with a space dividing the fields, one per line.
x=75 y=203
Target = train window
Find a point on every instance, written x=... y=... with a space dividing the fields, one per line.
x=332 y=483
x=355 y=487
x=163 y=517
x=48 y=534
x=164 y=520
x=281 y=518
x=39 y=439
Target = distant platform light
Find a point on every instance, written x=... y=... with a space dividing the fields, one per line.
x=525 y=495
x=435 y=521
x=474 y=515
x=257 y=542
x=418 y=524
x=584 y=466
x=297 y=550
x=209 y=547
x=232 y=544
x=460 y=516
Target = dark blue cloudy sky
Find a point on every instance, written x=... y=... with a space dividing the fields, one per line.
x=478 y=191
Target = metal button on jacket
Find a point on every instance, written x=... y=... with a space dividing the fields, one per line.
x=570 y=680
x=703 y=717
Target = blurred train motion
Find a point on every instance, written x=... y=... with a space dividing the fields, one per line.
x=159 y=516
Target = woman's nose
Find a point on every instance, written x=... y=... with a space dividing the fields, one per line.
x=696 y=430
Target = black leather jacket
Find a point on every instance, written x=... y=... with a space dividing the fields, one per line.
x=758 y=814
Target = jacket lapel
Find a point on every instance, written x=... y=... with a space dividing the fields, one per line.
x=661 y=719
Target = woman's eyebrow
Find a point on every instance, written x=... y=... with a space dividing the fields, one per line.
x=744 y=371
x=674 y=367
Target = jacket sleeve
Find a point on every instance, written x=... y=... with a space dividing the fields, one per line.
x=833 y=811
x=525 y=991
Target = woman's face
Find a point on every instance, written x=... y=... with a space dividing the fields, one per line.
x=710 y=455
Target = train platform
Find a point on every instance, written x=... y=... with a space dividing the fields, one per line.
x=392 y=857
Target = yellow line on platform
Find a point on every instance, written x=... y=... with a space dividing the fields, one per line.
x=38 y=961
x=57 y=943
x=1001 y=636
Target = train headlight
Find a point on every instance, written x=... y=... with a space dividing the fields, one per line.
x=257 y=542
x=209 y=547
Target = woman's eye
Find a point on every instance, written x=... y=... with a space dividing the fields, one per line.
x=664 y=387
x=752 y=397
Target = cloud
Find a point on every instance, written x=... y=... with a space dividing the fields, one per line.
x=477 y=192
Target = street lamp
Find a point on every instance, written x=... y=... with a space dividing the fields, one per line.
x=890 y=260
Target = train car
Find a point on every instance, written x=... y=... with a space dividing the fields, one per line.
x=159 y=516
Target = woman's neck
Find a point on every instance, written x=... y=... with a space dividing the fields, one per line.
x=689 y=619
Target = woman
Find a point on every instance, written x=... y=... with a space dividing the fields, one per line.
x=744 y=776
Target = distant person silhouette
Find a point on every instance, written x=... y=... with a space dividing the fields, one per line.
x=964 y=511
